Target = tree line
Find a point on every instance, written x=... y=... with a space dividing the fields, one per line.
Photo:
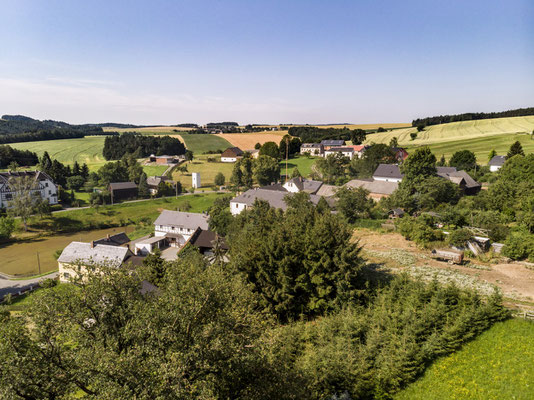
x=115 y=147
x=312 y=134
x=9 y=155
x=443 y=119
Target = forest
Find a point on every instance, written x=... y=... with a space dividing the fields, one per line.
x=9 y=155
x=115 y=147
x=443 y=119
x=18 y=128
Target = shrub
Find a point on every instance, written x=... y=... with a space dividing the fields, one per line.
x=419 y=230
x=459 y=237
x=519 y=245
x=7 y=226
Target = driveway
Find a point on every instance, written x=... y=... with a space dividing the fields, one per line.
x=14 y=286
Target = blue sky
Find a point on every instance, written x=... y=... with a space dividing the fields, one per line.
x=359 y=61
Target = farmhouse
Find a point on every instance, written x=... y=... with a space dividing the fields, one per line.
x=496 y=163
x=358 y=150
x=400 y=154
x=78 y=255
x=231 y=154
x=207 y=241
x=178 y=226
x=119 y=239
x=299 y=184
x=313 y=149
x=275 y=198
x=377 y=188
x=43 y=186
x=165 y=160
x=122 y=191
x=344 y=151
x=392 y=173
x=154 y=181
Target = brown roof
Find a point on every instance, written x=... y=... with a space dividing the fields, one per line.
x=232 y=152
x=206 y=239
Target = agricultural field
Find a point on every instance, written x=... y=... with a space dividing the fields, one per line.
x=84 y=150
x=499 y=364
x=368 y=126
x=246 y=141
x=207 y=171
x=201 y=143
x=88 y=224
x=480 y=136
x=149 y=130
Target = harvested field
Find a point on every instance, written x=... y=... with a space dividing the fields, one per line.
x=246 y=141
x=369 y=126
x=148 y=130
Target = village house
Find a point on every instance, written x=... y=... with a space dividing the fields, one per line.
x=378 y=189
x=358 y=150
x=300 y=184
x=166 y=160
x=122 y=191
x=231 y=154
x=496 y=163
x=78 y=255
x=154 y=181
x=400 y=154
x=313 y=149
x=344 y=151
x=254 y=153
x=207 y=241
x=119 y=239
x=392 y=173
x=275 y=198
x=43 y=186
x=178 y=226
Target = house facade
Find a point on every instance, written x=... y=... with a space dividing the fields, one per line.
x=154 y=181
x=496 y=163
x=43 y=186
x=177 y=226
x=300 y=184
x=387 y=173
x=344 y=151
x=122 y=191
x=313 y=149
x=231 y=154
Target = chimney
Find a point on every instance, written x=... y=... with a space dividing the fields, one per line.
x=92 y=244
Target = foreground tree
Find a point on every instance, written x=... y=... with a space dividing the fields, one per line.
x=24 y=198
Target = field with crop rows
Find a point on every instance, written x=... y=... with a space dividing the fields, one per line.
x=247 y=141
x=84 y=150
x=499 y=364
x=200 y=143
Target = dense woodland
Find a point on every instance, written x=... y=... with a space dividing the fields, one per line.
x=115 y=147
x=312 y=134
x=10 y=155
x=18 y=128
x=443 y=119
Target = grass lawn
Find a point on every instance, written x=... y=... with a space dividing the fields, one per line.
x=154 y=170
x=499 y=364
x=200 y=143
x=85 y=150
x=207 y=171
x=54 y=233
x=302 y=163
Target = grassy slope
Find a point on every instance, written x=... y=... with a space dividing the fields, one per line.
x=499 y=364
x=199 y=143
x=21 y=257
x=484 y=135
x=207 y=171
x=302 y=163
x=85 y=150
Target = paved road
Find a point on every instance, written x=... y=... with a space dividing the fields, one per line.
x=11 y=286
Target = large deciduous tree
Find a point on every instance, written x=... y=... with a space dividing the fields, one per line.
x=463 y=159
x=266 y=170
x=421 y=163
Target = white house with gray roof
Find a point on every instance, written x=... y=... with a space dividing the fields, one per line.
x=300 y=184
x=496 y=163
x=77 y=255
x=178 y=226
x=275 y=198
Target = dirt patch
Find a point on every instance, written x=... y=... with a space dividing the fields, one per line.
x=516 y=281
x=246 y=141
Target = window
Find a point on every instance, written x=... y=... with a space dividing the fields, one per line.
x=46 y=184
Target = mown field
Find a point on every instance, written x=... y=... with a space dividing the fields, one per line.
x=207 y=171
x=85 y=224
x=303 y=164
x=486 y=134
x=499 y=364
x=201 y=143
x=85 y=150
x=149 y=130
x=154 y=170
x=247 y=141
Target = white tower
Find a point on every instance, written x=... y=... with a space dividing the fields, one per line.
x=196 y=179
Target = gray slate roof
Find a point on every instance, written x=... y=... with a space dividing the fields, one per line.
x=273 y=197
x=122 y=185
x=306 y=185
x=38 y=175
x=458 y=176
x=388 y=171
x=85 y=254
x=156 y=180
x=378 y=187
x=182 y=219
x=497 y=161
x=341 y=149
x=311 y=145
x=332 y=142
x=114 y=240
x=327 y=190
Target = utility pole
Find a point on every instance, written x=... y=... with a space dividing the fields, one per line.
x=39 y=263
x=287 y=155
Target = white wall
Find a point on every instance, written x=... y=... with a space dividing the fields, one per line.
x=228 y=159
x=495 y=168
x=378 y=178
x=237 y=208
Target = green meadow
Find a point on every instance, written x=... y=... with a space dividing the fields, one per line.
x=199 y=143
x=154 y=170
x=303 y=164
x=498 y=364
